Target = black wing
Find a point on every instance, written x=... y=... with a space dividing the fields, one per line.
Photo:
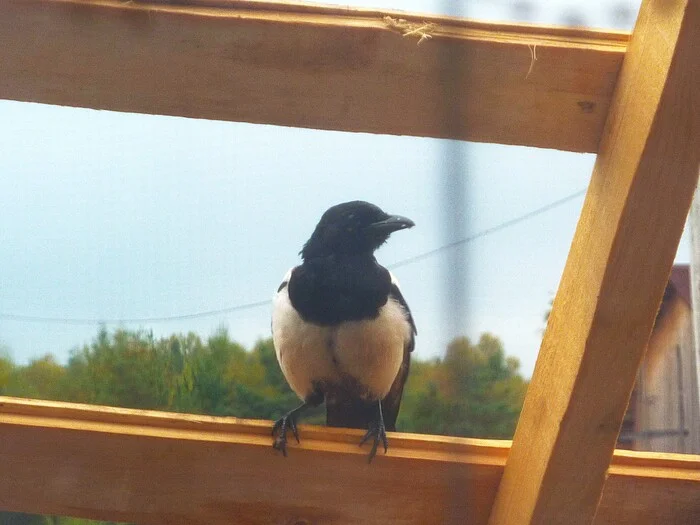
x=392 y=402
x=396 y=294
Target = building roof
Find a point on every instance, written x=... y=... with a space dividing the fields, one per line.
x=680 y=280
x=678 y=286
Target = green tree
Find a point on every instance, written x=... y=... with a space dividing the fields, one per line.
x=6 y=372
x=42 y=378
x=474 y=391
x=210 y=363
x=123 y=369
x=179 y=375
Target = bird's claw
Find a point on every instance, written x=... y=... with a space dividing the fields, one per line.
x=378 y=432
x=279 y=432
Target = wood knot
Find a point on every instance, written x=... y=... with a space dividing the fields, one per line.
x=586 y=106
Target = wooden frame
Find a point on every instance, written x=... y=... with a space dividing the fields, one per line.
x=637 y=203
x=311 y=66
x=154 y=468
x=357 y=70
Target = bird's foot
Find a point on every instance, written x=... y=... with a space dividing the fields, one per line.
x=378 y=432
x=280 y=428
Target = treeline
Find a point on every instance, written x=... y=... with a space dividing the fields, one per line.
x=475 y=390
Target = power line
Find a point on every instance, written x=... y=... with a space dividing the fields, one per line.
x=93 y=321
x=487 y=231
x=257 y=304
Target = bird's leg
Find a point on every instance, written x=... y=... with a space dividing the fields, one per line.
x=378 y=432
x=286 y=422
x=289 y=422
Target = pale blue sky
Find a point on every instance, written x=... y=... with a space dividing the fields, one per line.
x=113 y=215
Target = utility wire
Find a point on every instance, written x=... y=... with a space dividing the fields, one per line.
x=487 y=231
x=89 y=321
x=257 y=304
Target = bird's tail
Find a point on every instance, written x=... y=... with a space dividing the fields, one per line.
x=353 y=413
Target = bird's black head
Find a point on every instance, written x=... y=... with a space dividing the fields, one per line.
x=352 y=228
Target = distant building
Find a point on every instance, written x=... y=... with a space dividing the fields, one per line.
x=664 y=412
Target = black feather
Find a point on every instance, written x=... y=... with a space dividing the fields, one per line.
x=331 y=290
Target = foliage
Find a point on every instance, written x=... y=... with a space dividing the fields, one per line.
x=6 y=372
x=474 y=390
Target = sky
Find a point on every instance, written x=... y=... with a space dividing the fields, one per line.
x=107 y=215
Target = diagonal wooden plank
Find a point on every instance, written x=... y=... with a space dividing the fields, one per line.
x=162 y=468
x=612 y=285
x=314 y=67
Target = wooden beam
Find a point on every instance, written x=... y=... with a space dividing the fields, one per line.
x=163 y=468
x=314 y=67
x=619 y=263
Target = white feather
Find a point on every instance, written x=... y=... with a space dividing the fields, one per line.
x=369 y=351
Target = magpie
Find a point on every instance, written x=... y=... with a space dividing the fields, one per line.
x=342 y=331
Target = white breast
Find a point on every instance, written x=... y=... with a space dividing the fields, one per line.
x=372 y=351
x=369 y=351
x=301 y=347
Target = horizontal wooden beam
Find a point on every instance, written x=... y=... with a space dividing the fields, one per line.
x=618 y=267
x=314 y=67
x=157 y=468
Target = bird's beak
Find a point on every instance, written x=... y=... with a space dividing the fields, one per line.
x=391 y=224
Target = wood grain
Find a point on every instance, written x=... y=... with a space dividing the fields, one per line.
x=310 y=66
x=163 y=468
x=613 y=282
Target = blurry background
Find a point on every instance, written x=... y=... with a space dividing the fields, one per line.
x=123 y=217
x=162 y=226
x=139 y=253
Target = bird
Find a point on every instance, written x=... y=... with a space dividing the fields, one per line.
x=342 y=330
